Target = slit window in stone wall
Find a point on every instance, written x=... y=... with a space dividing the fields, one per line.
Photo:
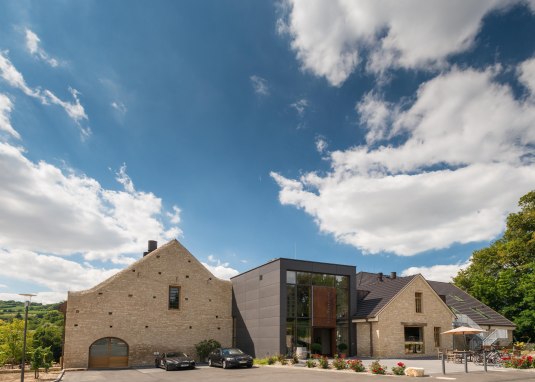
x=174 y=297
x=418 y=302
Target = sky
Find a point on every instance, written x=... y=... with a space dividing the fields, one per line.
x=393 y=136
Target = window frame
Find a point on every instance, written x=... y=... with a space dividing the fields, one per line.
x=418 y=302
x=436 y=336
x=169 y=303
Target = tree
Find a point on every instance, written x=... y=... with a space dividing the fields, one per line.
x=205 y=347
x=502 y=275
x=48 y=336
x=41 y=358
x=11 y=341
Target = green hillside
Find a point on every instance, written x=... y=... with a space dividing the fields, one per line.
x=38 y=314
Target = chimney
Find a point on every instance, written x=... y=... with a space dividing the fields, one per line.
x=380 y=276
x=393 y=275
x=152 y=245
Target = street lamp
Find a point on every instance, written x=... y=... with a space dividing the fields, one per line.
x=26 y=306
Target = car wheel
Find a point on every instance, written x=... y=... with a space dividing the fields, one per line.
x=210 y=362
x=166 y=367
x=225 y=365
x=249 y=366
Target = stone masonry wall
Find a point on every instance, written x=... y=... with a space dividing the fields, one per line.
x=133 y=306
x=390 y=338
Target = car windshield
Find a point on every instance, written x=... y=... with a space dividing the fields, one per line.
x=232 y=352
x=173 y=355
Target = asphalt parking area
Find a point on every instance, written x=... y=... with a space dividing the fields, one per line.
x=279 y=374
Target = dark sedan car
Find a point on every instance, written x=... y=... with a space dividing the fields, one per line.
x=174 y=360
x=229 y=357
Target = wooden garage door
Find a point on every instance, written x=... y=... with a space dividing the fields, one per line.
x=108 y=353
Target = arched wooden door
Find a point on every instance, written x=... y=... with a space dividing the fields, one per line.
x=108 y=353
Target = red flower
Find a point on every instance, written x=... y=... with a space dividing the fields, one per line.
x=401 y=364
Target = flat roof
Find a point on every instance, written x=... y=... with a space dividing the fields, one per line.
x=279 y=259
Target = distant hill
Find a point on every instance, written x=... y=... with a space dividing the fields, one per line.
x=37 y=313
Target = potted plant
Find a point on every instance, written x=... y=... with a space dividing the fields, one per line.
x=342 y=349
x=315 y=348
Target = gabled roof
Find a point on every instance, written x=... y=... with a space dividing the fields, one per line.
x=461 y=302
x=380 y=292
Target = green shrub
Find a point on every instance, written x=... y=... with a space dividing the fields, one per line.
x=399 y=369
x=294 y=359
x=342 y=347
x=315 y=348
x=377 y=368
x=310 y=363
x=261 y=361
x=205 y=347
x=324 y=362
x=339 y=363
x=356 y=365
x=272 y=360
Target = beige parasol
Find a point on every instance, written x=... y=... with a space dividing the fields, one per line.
x=464 y=330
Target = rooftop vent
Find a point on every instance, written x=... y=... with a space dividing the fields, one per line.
x=152 y=245
x=393 y=275
x=380 y=276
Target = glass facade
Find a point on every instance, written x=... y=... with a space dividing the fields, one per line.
x=301 y=325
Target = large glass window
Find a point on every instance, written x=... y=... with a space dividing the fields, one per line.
x=290 y=277
x=291 y=301
x=414 y=339
x=300 y=289
x=342 y=305
x=303 y=278
x=174 y=297
x=303 y=301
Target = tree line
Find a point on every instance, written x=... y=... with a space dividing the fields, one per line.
x=45 y=332
x=502 y=275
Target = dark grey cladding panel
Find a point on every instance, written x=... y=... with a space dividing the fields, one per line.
x=311 y=266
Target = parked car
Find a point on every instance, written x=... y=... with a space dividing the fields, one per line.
x=229 y=357
x=174 y=360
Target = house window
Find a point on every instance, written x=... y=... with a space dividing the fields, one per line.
x=436 y=334
x=174 y=297
x=414 y=340
x=418 y=301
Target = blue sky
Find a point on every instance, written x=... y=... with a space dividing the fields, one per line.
x=393 y=137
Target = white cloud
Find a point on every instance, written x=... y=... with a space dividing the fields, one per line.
x=73 y=109
x=5 y=110
x=300 y=106
x=444 y=273
x=119 y=106
x=174 y=217
x=32 y=44
x=527 y=74
x=47 y=210
x=3 y=286
x=260 y=85
x=321 y=144
x=15 y=79
x=377 y=115
x=52 y=272
x=459 y=159
x=331 y=37
x=219 y=269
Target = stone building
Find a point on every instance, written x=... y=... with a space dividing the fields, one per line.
x=165 y=301
x=400 y=316
x=406 y=316
x=168 y=301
